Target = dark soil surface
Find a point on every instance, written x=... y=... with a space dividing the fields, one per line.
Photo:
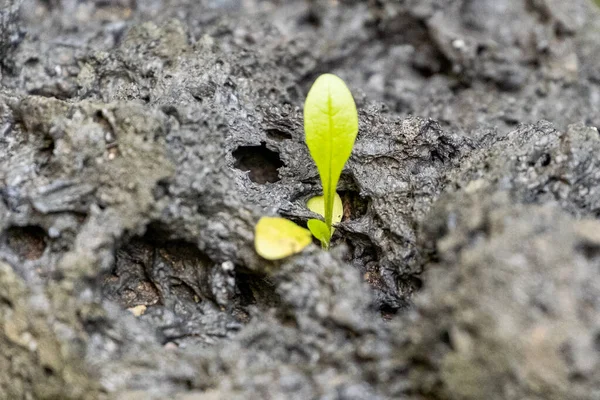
x=141 y=141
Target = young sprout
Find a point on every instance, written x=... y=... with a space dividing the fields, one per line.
x=330 y=126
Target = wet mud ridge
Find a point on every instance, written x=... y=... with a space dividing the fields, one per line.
x=141 y=141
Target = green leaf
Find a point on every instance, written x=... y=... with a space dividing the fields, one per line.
x=330 y=125
x=276 y=238
x=321 y=231
x=317 y=205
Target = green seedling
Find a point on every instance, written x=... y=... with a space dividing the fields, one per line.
x=330 y=126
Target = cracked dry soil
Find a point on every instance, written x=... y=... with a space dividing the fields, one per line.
x=140 y=141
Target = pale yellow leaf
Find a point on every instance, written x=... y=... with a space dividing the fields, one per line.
x=276 y=238
x=317 y=205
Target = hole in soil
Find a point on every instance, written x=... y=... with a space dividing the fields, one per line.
x=278 y=135
x=429 y=61
x=180 y=291
x=355 y=206
x=261 y=163
x=28 y=242
x=160 y=190
x=31 y=61
x=546 y=159
x=392 y=294
x=387 y=313
x=445 y=338
x=589 y=250
x=46 y=151
x=561 y=31
x=149 y=272
x=311 y=18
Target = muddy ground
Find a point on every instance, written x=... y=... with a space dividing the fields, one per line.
x=140 y=142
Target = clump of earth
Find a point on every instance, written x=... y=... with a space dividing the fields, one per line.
x=141 y=141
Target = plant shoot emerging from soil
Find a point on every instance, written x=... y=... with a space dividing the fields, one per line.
x=330 y=126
